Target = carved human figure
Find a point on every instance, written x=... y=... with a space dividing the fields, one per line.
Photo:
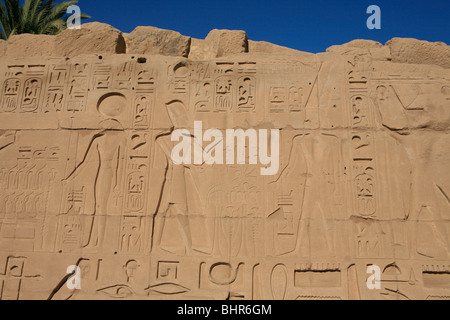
x=174 y=210
x=106 y=151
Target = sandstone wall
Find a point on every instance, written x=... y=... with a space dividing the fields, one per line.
x=86 y=176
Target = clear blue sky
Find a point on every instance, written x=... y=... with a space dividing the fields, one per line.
x=311 y=25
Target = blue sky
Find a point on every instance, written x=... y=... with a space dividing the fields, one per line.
x=312 y=25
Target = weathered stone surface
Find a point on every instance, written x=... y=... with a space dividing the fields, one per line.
x=151 y=40
x=30 y=45
x=406 y=50
x=358 y=175
x=201 y=50
x=92 y=38
x=374 y=49
x=3 y=47
x=219 y=43
x=227 y=42
x=363 y=44
x=270 y=48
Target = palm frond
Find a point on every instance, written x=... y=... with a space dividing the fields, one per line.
x=4 y=22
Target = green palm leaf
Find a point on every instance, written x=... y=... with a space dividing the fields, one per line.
x=34 y=16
